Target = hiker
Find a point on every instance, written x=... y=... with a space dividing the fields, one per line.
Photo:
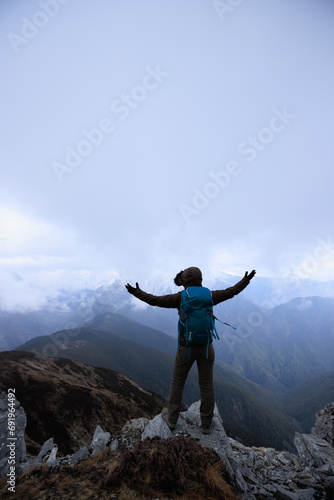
x=187 y=353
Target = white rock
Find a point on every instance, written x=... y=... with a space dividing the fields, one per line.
x=99 y=441
x=157 y=427
x=114 y=445
x=79 y=455
x=52 y=460
x=47 y=446
x=135 y=425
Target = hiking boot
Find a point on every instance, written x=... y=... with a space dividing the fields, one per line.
x=164 y=414
x=206 y=429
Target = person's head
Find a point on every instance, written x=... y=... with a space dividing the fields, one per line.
x=192 y=276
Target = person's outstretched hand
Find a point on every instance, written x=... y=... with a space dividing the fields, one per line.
x=251 y=275
x=131 y=289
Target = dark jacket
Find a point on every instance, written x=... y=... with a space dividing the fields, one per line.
x=190 y=277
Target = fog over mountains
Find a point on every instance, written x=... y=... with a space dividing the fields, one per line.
x=73 y=308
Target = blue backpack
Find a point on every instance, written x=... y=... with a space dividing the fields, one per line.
x=196 y=317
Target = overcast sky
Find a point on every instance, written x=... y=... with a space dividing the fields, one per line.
x=140 y=137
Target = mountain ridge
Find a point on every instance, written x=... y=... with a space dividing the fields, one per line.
x=66 y=399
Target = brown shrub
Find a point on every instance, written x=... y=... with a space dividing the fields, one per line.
x=174 y=466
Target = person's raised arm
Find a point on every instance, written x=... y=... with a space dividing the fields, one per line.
x=221 y=295
x=170 y=301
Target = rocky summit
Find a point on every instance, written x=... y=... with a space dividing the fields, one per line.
x=260 y=473
x=254 y=473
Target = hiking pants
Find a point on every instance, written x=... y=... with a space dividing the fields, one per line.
x=183 y=362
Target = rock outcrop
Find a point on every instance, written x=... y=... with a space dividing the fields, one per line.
x=257 y=473
x=324 y=424
x=189 y=425
x=261 y=473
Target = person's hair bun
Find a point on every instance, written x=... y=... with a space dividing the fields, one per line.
x=178 y=279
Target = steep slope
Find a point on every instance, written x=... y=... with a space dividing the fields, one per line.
x=305 y=399
x=245 y=405
x=301 y=339
x=149 y=367
x=133 y=330
x=66 y=400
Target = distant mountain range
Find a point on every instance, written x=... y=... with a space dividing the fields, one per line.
x=283 y=347
x=75 y=308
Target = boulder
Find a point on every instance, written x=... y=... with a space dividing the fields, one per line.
x=78 y=455
x=47 y=446
x=129 y=434
x=52 y=460
x=324 y=424
x=315 y=452
x=99 y=441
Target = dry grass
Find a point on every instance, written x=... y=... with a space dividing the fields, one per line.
x=175 y=468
